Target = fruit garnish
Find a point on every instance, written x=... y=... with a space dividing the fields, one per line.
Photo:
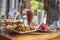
x=43 y=27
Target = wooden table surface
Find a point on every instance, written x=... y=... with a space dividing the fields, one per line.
x=31 y=36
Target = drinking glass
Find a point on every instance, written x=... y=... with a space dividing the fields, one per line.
x=29 y=16
x=40 y=15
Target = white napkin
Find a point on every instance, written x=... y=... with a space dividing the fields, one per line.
x=55 y=25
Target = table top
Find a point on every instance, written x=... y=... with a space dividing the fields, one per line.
x=30 y=36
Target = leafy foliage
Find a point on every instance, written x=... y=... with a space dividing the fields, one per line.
x=36 y=5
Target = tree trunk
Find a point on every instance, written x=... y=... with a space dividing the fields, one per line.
x=46 y=5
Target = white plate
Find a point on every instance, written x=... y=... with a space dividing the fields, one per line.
x=21 y=32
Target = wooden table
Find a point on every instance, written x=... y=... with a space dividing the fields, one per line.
x=32 y=36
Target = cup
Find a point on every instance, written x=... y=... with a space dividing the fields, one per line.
x=40 y=15
x=29 y=16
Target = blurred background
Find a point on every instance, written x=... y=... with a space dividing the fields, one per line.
x=51 y=6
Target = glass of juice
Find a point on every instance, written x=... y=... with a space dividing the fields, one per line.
x=29 y=16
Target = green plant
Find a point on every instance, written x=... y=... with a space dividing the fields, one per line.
x=36 y=5
x=2 y=16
